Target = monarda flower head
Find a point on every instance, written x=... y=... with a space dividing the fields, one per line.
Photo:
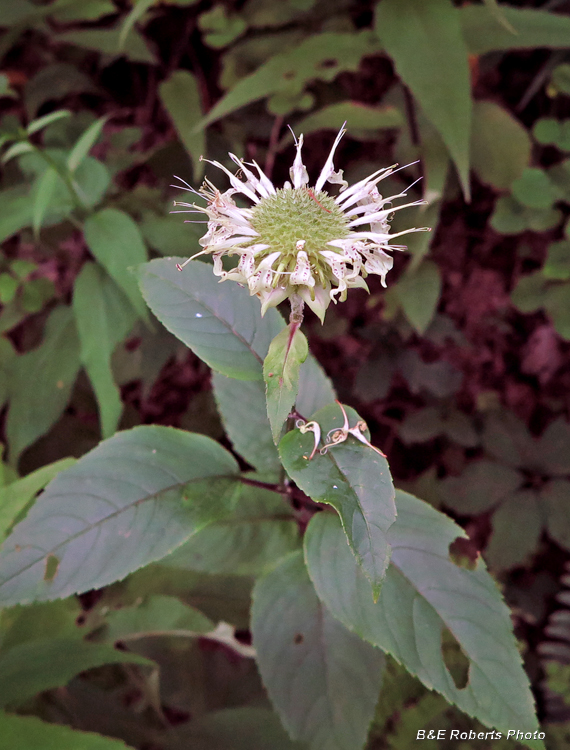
x=297 y=241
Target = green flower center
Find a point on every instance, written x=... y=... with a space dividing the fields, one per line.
x=298 y=214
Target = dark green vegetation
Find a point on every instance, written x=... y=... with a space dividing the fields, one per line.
x=460 y=369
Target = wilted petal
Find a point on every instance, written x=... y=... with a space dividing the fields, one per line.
x=328 y=170
x=318 y=299
x=298 y=171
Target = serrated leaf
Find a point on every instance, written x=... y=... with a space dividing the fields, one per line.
x=418 y=292
x=15 y=496
x=322 y=679
x=35 y=666
x=131 y=500
x=517 y=526
x=29 y=732
x=355 y=480
x=85 y=143
x=156 y=616
x=116 y=241
x=426 y=43
x=534 y=28
x=221 y=323
x=290 y=71
x=500 y=145
x=104 y=316
x=260 y=531
x=281 y=374
x=41 y=381
x=424 y=593
x=480 y=487
x=181 y=98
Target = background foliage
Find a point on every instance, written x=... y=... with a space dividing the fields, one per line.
x=460 y=368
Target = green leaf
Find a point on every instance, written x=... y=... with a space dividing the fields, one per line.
x=320 y=56
x=27 y=732
x=138 y=10
x=506 y=438
x=39 y=665
x=557 y=304
x=243 y=410
x=517 y=525
x=41 y=382
x=131 y=500
x=219 y=27
x=421 y=426
x=425 y=593
x=557 y=265
x=281 y=374
x=511 y=217
x=15 y=211
x=103 y=316
x=534 y=28
x=426 y=44
x=534 y=189
x=245 y=728
x=551 y=452
x=43 y=122
x=44 y=193
x=106 y=41
x=355 y=480
x=156 y=616
x=322 y=679
x=85 y=143
x=560 y=78
x=480 y=487
x=80 y=10
x=500 y=145
x=15 y=496
x=315 y=388
x=496 y=11
x=54 y=82
x=180 y=97
x=418 y=292
x=362 y=120
x=550 y=131
x=221 y=323
x=115 y=240
x=17 y=149
x=529 y=293
x=554 y=499
x=259 y=532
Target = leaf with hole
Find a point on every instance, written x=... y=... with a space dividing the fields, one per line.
x=354 y=479
x=322 y=679
x=221 y=323
x=131 y=500
x=426 y=595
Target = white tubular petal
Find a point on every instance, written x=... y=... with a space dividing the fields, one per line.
x=380 y=216
x=379 y=262
x=237 y=184
x=302 y=271
x=328 y=170
x=264 y=179
x=354 y=257
x=359 y=186
x=252 y=180
x=246 y=265
x=268 y=261
x=260 y=282
x=272 y=298
x=218 y=269
x=298 y=171
x=383 y=238
x=318 y=299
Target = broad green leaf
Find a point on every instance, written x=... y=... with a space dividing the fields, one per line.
x=104 y=316
x=220 y=28
x=7 y=357
x=44 y=193
x=80 y=10
x=244 y=728
x=43 y=122
x=320 y=56
x=181 y=98
x=557 y=305
x=138 y=10
x=259 y=532
x=41 y=381
x=243 y=410
x=496 y=11
x=38 y=622
x=85 y=143
x=424 y=593
x=39 y=665
x=221 y=323
x=480 y=487
x=500 y=145
x=550 y=131
x=421 y=426
x=517 y=526
x=156 y=616
x=28 y=732
x=131 y=500
x=322 y=679
x=506 y=438
x=106 y=41
x=15 y=211
x=418 y=292
x=116 y=241
x=534 y=190
x=354 y=479
x=557 y=264
x=426 y=44
x=281 y=374
x=16 y=149
x=554 y=497
x=529 y=293
x=361 y=119
x=534 y=28
x=15 y=496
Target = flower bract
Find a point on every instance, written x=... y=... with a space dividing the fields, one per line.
x=299 y=240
